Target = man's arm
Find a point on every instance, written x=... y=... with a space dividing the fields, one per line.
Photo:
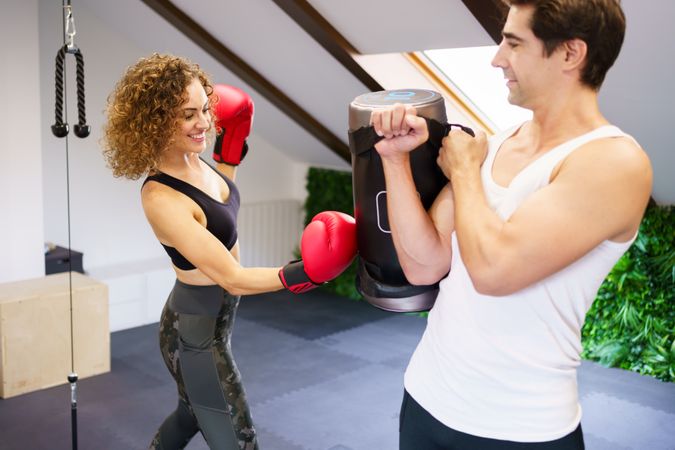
x=422 y=239
x=599 y=193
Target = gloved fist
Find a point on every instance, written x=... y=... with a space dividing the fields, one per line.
x=327 y=247
x=234 y=117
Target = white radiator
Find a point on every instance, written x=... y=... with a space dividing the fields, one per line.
x=269 y=232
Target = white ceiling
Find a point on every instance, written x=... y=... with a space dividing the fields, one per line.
x=394 y=26
x=637 y=95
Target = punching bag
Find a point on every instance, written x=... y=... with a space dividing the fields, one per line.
x=380 y=278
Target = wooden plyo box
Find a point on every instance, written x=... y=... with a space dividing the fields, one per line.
x=35 y=331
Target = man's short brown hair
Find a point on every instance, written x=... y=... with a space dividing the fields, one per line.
x=601 y=24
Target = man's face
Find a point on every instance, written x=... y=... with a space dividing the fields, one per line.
x=522 y=59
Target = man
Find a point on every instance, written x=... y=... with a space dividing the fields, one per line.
x=526 y=230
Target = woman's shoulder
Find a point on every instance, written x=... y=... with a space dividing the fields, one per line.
x=153 y=190
x=158 y=195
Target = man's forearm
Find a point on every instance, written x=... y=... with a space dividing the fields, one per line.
x=423 y=256
x=478 y=228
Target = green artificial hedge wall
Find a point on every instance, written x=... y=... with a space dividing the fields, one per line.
x=631 y=323
x=331 y=190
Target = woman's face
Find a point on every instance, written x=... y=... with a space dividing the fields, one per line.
x=194 y=120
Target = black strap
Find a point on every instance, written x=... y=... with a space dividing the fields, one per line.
x=365 y=138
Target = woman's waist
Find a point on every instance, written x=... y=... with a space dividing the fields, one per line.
x=204 y=300
x=193 y=277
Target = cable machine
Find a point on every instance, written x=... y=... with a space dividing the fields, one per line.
x=60 y=129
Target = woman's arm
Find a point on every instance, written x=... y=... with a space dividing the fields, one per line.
x=227 y=170
x=172 y=219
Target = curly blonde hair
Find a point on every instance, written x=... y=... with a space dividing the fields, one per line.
x=143 y=112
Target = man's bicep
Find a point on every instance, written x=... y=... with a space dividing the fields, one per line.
x=562 y=222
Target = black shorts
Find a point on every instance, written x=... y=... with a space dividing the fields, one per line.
x=419 y=430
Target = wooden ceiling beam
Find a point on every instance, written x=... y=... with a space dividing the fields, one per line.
x=490 y=14
x=328 y=37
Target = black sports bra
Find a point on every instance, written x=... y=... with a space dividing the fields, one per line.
x=221 y=217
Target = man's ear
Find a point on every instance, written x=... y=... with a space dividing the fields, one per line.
x=575 y=51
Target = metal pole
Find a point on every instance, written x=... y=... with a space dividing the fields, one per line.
x=68 y=33
x=72 y=378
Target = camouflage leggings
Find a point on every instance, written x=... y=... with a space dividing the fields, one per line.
x=194 y=337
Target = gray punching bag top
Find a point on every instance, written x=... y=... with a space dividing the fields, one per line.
x=380 y=278
x=429 y=104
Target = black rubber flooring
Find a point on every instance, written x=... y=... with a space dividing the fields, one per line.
x=321 y=373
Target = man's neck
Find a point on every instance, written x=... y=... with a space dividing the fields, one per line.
x=565 y=117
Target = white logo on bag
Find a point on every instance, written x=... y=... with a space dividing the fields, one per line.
x=382 y=217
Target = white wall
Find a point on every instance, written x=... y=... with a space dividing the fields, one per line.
x=106 y=218
x=638 y=94
x=21 y=225
x=107 y=221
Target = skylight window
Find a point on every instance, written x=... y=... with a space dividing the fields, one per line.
x=469 y=71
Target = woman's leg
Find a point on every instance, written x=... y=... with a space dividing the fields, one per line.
x=207 y=385
x=176 y=430
x=181 y=425
x=233 y=389
x=211 y=378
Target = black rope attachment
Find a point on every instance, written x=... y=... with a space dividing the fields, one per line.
x=60 y=128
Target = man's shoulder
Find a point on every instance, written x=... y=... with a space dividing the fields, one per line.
x=616 y=163
x=621 y=151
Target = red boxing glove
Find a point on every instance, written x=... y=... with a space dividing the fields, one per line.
x=328 y=246
x=234 y=117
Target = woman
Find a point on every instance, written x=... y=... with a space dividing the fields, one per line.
x=159 y=117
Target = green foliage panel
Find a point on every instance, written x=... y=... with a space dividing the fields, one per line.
x=331 y=190
x=631 y=322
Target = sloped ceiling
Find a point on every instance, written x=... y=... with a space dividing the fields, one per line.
x=637 y=95
x=394 y=26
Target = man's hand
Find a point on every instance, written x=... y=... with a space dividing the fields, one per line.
x=402 y=129
x=461 y=152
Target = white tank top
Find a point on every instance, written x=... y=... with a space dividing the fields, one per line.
x=505 y=367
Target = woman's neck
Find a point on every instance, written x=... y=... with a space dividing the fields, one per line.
x=175 y=162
